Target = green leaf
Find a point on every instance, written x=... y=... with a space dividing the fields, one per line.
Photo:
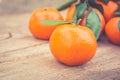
x=74 y=19
x=93 y=22
x=105 y=1
x=65 y=4
x=118 y=11
x=95 y=5
x=54 y=22
x=119 y=25
x=81 y=9
x=83 y=1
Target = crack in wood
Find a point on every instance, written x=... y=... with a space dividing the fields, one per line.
x=23 y=48
x=8 y=37
x=19 y=57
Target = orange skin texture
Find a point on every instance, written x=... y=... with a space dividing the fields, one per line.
x=70 y=13
x=39 y=29
x=109 y=9
x=72 y=45
x=112 y=30
x=102 y=20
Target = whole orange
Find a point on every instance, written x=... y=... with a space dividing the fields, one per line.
x=39 y=29
x=112 y=30
x=72 y=45
x=108 y=9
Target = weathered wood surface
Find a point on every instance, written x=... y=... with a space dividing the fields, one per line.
x=23 y=57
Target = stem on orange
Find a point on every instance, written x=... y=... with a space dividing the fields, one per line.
x=66 y=4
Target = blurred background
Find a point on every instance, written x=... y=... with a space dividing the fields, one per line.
x=8 y=7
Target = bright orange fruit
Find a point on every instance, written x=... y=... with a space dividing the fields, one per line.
x=37 y=28
x=112 y=30
x=108 y=9
x=72 y=45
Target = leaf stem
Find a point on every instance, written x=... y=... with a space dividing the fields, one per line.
x=66 y=4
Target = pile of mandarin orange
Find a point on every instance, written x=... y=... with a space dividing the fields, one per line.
x=75 y=44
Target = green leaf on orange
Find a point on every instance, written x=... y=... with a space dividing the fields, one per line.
x=119 y=25
x=54 y=22
x=80 y=8
x=105 y=1
x=93 y=22
x=95 y=5
x=118 y=11
x=79 y=11
x=65 y=4
x=74 y=19
x=83 y=1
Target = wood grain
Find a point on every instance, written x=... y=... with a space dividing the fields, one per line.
x=23 y=57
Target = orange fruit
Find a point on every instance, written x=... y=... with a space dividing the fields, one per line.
x=72 y=45
x=39 y=29
x=102 y=20
x=70 y=13
x=108 y=9
x=112 y=30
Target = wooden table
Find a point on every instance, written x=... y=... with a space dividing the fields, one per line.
x=23 y=57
